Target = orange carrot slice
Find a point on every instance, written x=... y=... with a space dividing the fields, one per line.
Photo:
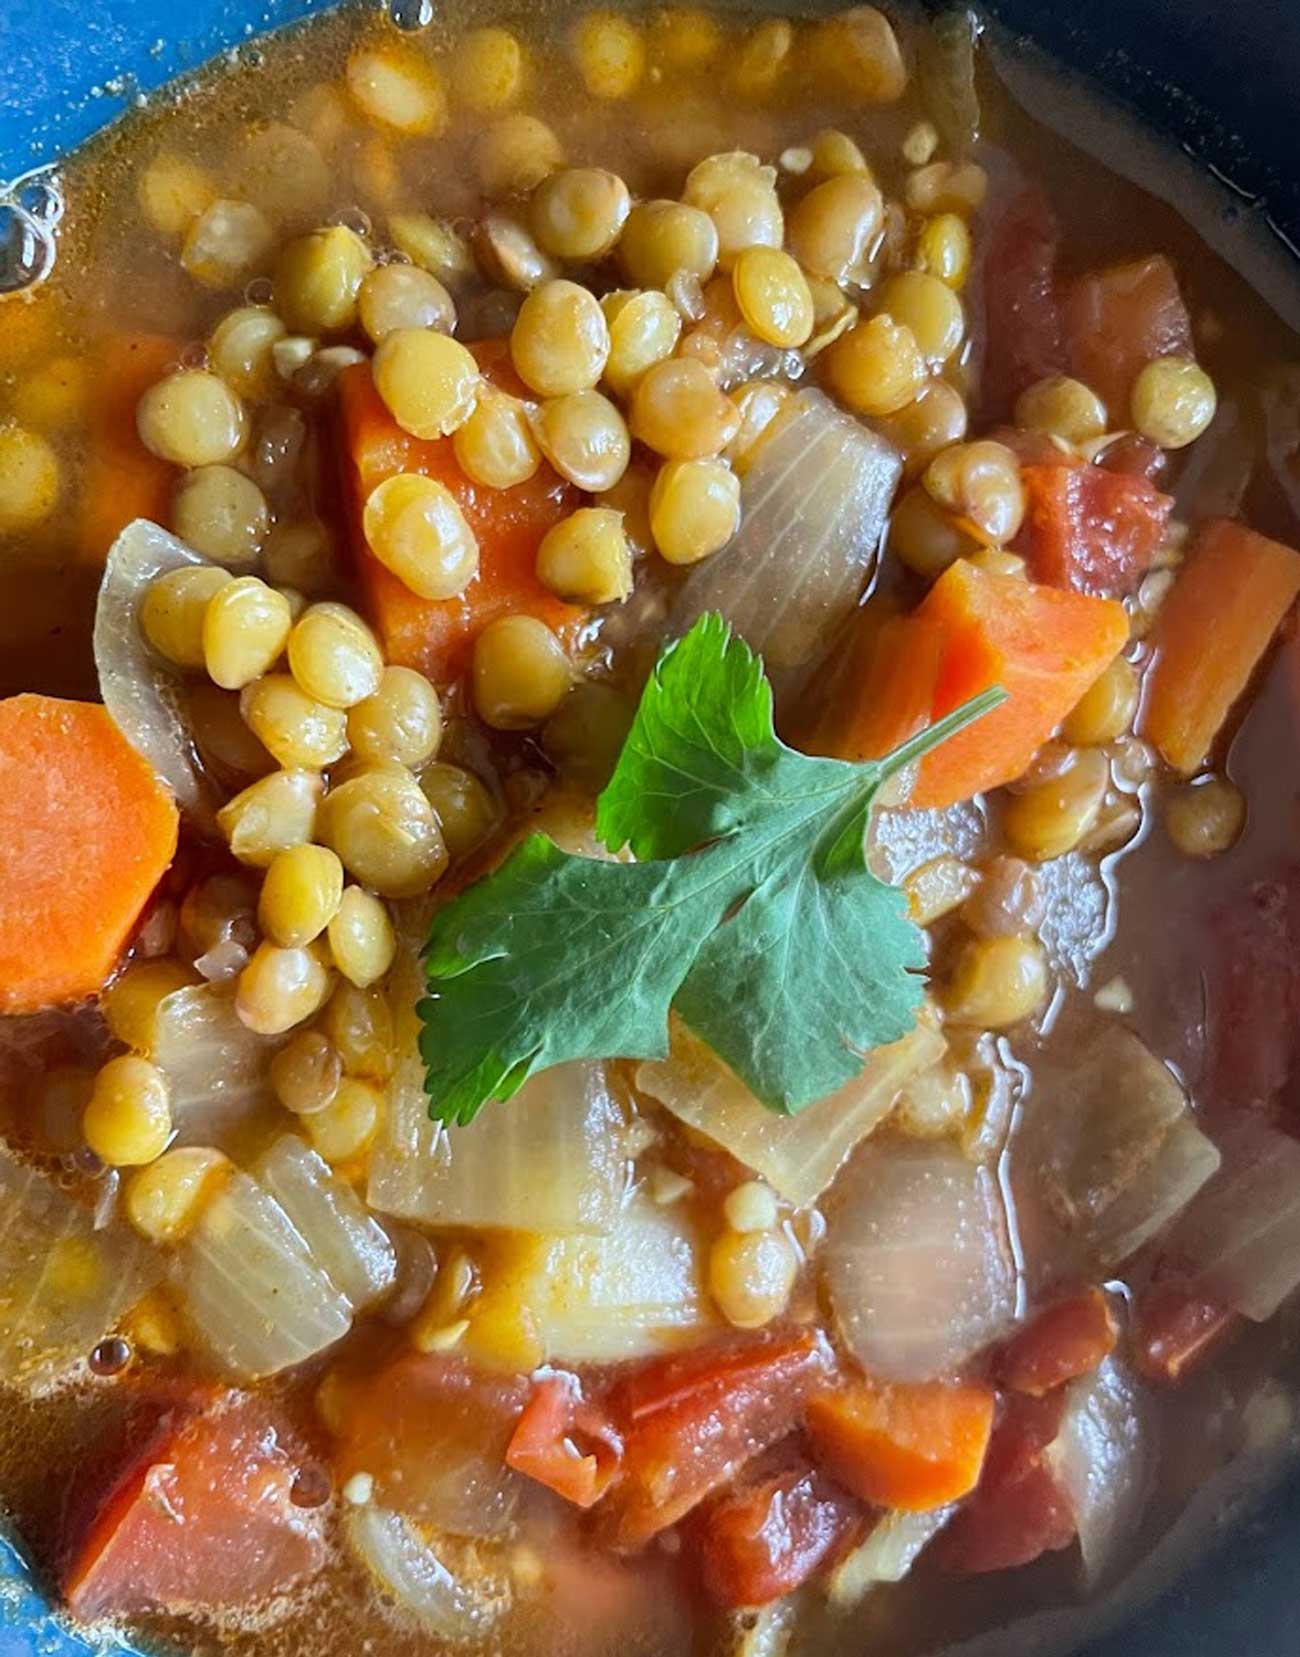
x=122 y=481
x=86 y=832
x=1212 y=631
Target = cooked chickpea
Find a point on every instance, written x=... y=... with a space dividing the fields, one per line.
x=751 y=1206
x=739 y=194
x=385 y=832
x=245 y=627
x=361 y=938
x=128 y=1120
x=833 y=153
x=515 y=154
x=416 y=529
x=306 y=1073
x=931 y=310
x=585 y=558
x=943 y=250
x=333 y=655
x=192 y=419
x=751 y=1276
x=1106 y=710
x=360 y=1024
x=631 y=496
x=644 y=326
x=345 y=1127
x=947 y=187
x=585 y=439
x=877 y=367
x=684 y=38
x=222 y=514
x=400 y=723
x=937 y=887
x=609 y=51
x=1205 y=818
x=270 y=814
x=226 y=243
x=280 y=988
x=759 y=404
x=1063 y=408
x=300 y=895
x=763 y=58
x=773 y=296
x=857 y=54
x=510 y=259
x=466 y=812
x=933 y=420
x=318 y=278
x=662 y=238
x=240 y=351
x=397 y=89
x=520 y=673
x=560 y=340
x=295 y=729
x=585 y=735
x=495 y=446
x=924 y=537
x=997 y=982
x=427 y=380
x=694 y=509
x=218 y=908
x=403 y=296
x=980 y=484
x=488 y=69
x=1051 y=817
x=1173 y=401
x=1009 y=899
x=579 y=212
x=173 y=608
x=172 y=192
x=164 y=1200
x=300 y=555
x=833 y=229
x=130 y=1003
x=680 y=413
x=433 y=245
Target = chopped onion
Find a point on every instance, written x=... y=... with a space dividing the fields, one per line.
x=249 y=1285
x=401 y=1558
x=216 y=1067
x=798 y=1155
x=947 y=74
x=1185 y=1161
x=888 y=1554
x=223 y=961
x=918 y=1259
x=1241 y=1237
x=138 y=692
x=550 y=1159
x=63 y=1283
x=1102 y=1457
x=814 y=506
x=352 y=1248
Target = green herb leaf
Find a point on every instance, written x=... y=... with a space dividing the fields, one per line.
x=751 y=911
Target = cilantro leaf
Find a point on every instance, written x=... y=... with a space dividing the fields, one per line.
x=751 y=910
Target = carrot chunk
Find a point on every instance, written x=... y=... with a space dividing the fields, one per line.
x=436 y=636
x=1089 y=528
x=1211 y=633
x=122 y=481
x=914 y=1445
x=873 y=709
x=1117 y=320
x=1063 y=1342
x=86 y=832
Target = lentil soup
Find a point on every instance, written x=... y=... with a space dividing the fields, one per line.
x=649 y=887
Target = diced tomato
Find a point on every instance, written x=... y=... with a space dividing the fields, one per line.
x=1117 y=320
x=1026 y=328
x=1134 y=456
x=1019 y=1510
x=690 y=1422
x=204 y=1518
x=1063 y=1342
x=566 y=1442
x=773 y=1532
x=1090 y=529
x=1253 y=996
x=1176 y=1329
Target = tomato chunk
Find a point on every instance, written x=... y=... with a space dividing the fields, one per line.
x=1089 y=528
x=1117 y=320
x=1063 y=1342
x=1176 y=1329
x=690 y=1422
x=772 y=1533
x=1026 y=328
x=1253 y=996
x=204 y=1519
x=566 y=1442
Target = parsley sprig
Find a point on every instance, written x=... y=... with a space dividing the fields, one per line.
x=750 y=911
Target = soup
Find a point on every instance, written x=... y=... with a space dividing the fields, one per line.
x=649 y=902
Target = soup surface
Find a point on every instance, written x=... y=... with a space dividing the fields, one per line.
x=840 y=1193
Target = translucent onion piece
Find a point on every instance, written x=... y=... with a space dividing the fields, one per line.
x=814 y=506
x=947 y=68
x=63 y=1284
x=917 y=1259
x=253 y=1293
x=216 y=1066
x=798 y=1155
x=1102 y=1457
x=136 y=689
x=401 y=1558
x=353 y=1249
x=1185 y=1161
x=1241 y=1237
x=888 y=1554
x=549 y=1159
